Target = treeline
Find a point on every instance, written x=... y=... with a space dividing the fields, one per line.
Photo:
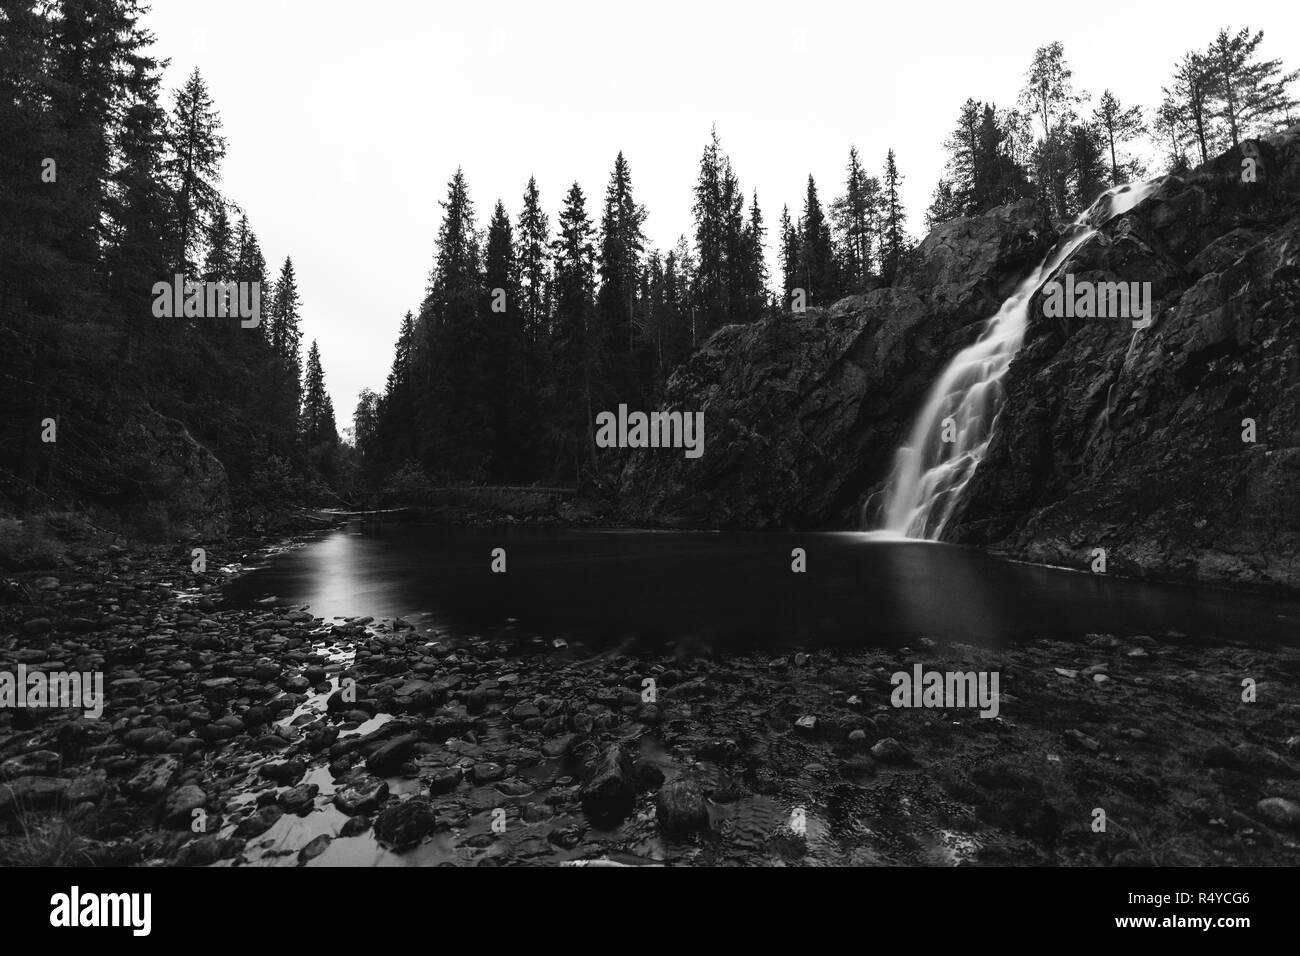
x=103 y=193
x=526 y=331
x=1056 y=150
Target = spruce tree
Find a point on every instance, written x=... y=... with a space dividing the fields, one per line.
x=719 y=242
x=193 y=166
x=250 y=267
x=577 y=359
x=455 y=431
x=504 y=363
x=533 y=244
x=285 y=337
x=789 y=254
x=317 y=425
x=622 y=243
x=893 y=252
x=139 y=210
x=754 y=263
x=817 y=271
x=852 y=214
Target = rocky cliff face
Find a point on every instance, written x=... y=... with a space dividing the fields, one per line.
x=1108 y=439
x=803 y=412
x=1133 y=442
x=171 y=485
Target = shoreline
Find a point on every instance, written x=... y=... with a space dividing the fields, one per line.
x=465 y=750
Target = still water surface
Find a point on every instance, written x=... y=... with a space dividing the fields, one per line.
x=732 y=591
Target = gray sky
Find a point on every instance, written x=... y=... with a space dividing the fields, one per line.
x=344 y=121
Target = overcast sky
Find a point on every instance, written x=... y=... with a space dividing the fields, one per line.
x=344 y=121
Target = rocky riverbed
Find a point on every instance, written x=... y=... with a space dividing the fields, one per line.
x=273 y=737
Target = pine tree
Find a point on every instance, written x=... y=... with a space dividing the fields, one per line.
x=193 y=166
x=1119 y=125
x=964 y=155
x=789 y=254
x=94 y=61
x=622 y=243
x=139 y=210
x=250 y=267
x=366 y=434
x=395 y=440
x=499 y=260
x=1167 y=126
x=1247 y=95
x=818 y=272
x=681 y=280
x=1087 y=165
x=317 y=425
x=852 y=214
x=534 y=264
x=893 y=252
x=944 y=205
x=719 y=241
x=754 y=262
x=578 y=362
x=505 y=365
x=285 y=337
x=454 y=412
x=1000 y=176
x=1190 y=99
x=219 y=263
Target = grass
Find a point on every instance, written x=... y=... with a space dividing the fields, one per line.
x=44 y=839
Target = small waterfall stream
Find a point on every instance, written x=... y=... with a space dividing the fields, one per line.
x=930 y=473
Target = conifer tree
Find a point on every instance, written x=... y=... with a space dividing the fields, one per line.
x=577 y=361
x=622 y=243
x=1189 y=97
x=852 y=214
x=719 y=241
x=318 y=426
x=818 y=273
x=285 y=337
x=894 y=239
x=789 y=255
x=505 y=361
x=219 y=263
x=534 y=264
x=250 y=267
x=1087 y=165
x=193 y=166
x=1118 y=125
x=454 y=424
x=754 y=262
x=1247 y=95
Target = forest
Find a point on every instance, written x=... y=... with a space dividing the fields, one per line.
x=531 y=324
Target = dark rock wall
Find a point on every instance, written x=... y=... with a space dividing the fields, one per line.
x=803 y=412
x=1134 y=444
x=1107 y=441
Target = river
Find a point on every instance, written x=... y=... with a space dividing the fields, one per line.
x=647 y=590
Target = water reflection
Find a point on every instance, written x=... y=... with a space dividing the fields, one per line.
x=733 y=590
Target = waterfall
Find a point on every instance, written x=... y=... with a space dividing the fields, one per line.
x=929 y=473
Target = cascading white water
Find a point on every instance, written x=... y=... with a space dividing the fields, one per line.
x=930 y=473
